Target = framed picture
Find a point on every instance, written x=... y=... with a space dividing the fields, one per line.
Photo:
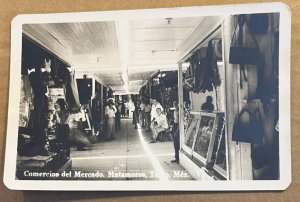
x=202 y=138
x=206 y=134
x=191 y=131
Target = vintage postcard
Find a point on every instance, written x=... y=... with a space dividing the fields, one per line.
x=191 y=98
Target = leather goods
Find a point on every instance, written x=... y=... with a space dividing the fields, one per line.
x=239 y=54
x=248 y=127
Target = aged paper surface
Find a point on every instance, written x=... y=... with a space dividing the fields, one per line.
x=9 y=11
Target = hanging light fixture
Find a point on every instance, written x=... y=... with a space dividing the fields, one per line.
x=169 y=20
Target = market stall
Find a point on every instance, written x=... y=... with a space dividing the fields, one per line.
x=48 y=95
x=228 y=121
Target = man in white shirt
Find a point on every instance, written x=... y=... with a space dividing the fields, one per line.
x=155 y=105
x=159 y=125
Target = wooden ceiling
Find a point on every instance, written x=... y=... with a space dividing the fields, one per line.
x=155 y=42
x=84 y=45
x=98 y=47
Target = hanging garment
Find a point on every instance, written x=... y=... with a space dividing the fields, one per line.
x=217 y=46
x=212 y=76
x=200 y=70
x=36 y=82
x=72 y=96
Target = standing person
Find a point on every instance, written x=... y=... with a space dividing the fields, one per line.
x=135 y=115
x=62 y=111
x=159 y=125
x=147 y=115
x=131 y=109
x=110 y=113
x=142 y=113
x=208 y=105
x=118 y=117
x=175 y=132
x=85 y=90
x=123 y=109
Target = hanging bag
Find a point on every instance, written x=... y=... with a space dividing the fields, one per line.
x=248 y=127
x=240 y=54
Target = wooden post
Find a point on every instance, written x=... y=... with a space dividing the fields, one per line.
x=93 y=86
x=239 y=161
x=180 y=104
x=101 y=103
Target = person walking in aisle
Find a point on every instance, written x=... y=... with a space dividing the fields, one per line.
x=135 y=115
x=110 y=113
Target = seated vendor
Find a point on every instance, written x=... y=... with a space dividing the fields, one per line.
x=160 y=124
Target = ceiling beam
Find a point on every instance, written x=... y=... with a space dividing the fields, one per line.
x=162 y=67
x=99 y=70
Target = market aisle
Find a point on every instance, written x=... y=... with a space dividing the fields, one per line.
x=129 y=153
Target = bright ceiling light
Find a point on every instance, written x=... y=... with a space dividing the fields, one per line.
x=169 y=20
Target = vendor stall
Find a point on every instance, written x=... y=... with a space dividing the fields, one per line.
x=229 y=97
x=48 y=95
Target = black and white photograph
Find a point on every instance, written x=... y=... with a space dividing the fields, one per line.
x=192 y=98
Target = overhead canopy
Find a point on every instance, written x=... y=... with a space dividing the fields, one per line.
x=122 y=54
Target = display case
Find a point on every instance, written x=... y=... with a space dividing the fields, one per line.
x=204 y=140
x=190 y=132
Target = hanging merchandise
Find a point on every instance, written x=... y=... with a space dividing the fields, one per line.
x=259 y=23
x=72 y=96
x=198 y=60
x=189 y=75
x=217 y=46
x=25 y=101
x=271 y=87
x=213 y=75
x=241 y=55
x=248 y=127
x=144 y=91
x=59 y=72
x=187 y=83
x=203 y=73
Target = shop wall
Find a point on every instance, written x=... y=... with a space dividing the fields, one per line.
x=238 y=154
x=253 y=95
x=262 y=95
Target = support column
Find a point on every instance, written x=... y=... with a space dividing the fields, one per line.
x=101 y=104
x=239 y=160
x=180 y=104
x=93 y=86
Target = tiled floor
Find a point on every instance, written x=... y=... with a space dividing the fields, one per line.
x=131 y=154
